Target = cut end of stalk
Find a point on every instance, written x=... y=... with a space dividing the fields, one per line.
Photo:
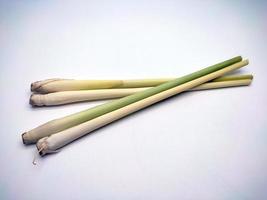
x=23 y=136
x=246 y=61
x=31 y=102
x=35 y=100
x=25 y=139
x=42 y=146
x=250 y=81
x=34 y=86
x=38 y=85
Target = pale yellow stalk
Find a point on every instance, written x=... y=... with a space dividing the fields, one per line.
x=66 y=97
x=71 y=85
x=58 y=85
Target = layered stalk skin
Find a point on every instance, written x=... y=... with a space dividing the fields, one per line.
x=59 y=85
x=36 y=86
x=55 y=141
x=72 y=85
x=61 y=124
x=66 y=97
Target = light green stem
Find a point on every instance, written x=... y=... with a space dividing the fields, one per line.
x=233 y=78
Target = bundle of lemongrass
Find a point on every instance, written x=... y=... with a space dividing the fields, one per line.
x=136 y=95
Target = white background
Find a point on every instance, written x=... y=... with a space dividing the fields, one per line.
x=198 y=145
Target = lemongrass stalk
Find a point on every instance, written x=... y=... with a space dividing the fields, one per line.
x=55 y=141
x=233 y=77
x=58 y=85
x=66 y=97
x=222 y=84
x=60 y=124
x=71 y=85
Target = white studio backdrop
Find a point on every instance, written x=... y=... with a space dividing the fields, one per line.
x=197 y=145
